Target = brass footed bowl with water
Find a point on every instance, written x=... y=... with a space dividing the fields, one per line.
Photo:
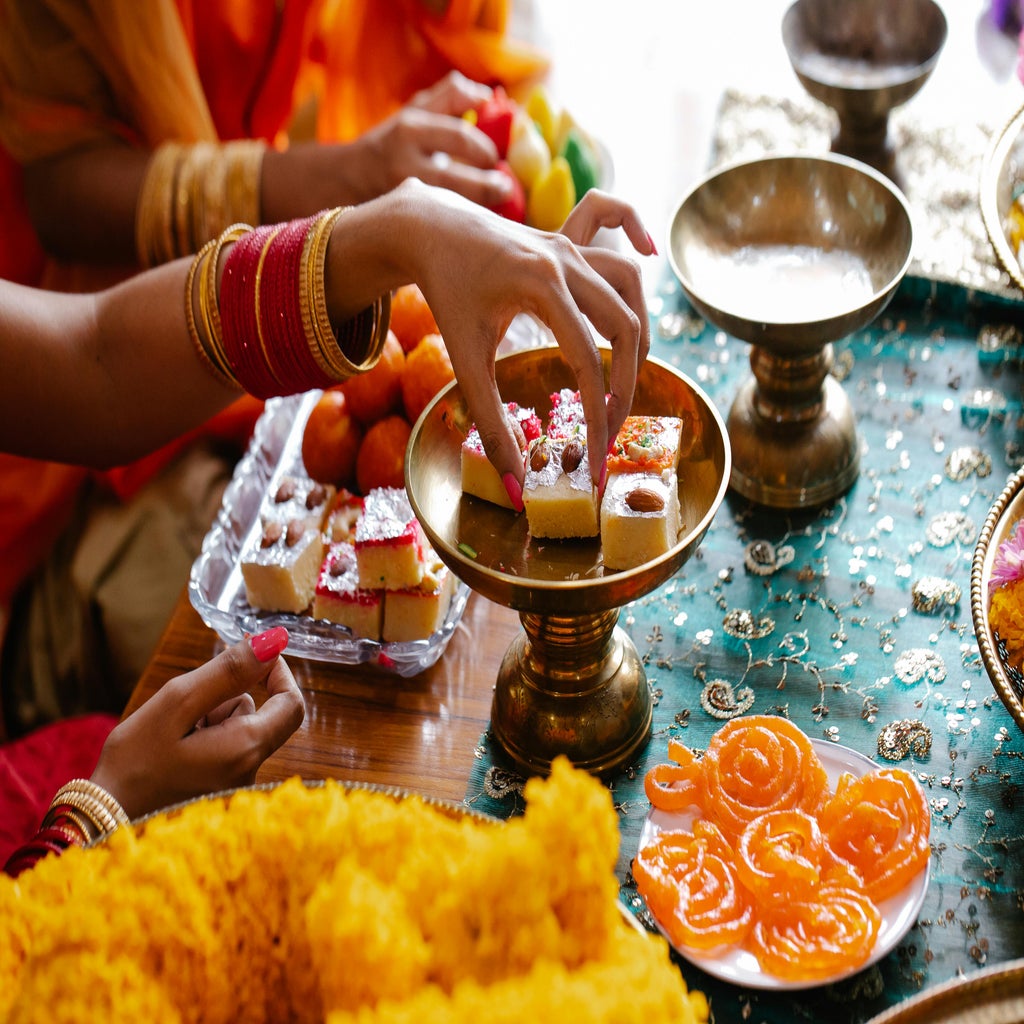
x=572 y=682
x=792 y=253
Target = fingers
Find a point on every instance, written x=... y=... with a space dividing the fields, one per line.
x=488 y=188
x=620 y=315
x=453 y=95
x=236 y=670
x=598 y=210
x=243 y=705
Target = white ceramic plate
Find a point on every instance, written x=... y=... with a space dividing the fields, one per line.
x=739 y=966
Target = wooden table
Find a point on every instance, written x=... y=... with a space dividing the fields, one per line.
x=362 y=725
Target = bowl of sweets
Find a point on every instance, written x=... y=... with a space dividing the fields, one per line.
x=997 y=595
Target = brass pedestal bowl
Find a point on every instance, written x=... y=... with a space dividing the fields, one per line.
x=572 y=682
x=863 y=58
x=791 y=253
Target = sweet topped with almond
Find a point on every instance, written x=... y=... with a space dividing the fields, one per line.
x=638 y=518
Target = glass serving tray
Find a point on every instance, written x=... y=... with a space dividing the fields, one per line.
x=216 y=588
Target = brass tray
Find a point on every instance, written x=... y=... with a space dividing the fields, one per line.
x=995 y=995
x=1002 y=517
x=1001 y=169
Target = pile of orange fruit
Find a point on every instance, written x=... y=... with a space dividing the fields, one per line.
x=356 y=434
x=775 y=862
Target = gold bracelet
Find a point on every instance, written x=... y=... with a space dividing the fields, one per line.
x=201 y=158
x=99 y=807
x=201 y=341
x=209 y=306
x=100 y=796
x=154 y=222
x=307 y=276
x=78 y=823
x=243 y=159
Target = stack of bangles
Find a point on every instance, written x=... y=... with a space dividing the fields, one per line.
x=268 y=332
x=79 y=814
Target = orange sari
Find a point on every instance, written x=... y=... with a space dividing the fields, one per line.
x=80 y=72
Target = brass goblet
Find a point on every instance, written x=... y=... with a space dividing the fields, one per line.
x=791 y=253
x=863 y=58
x=572 y=683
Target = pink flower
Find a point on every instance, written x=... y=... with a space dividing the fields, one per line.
x=1008 y=565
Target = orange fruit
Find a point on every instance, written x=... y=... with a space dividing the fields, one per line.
x=381 y=458
x=378 y=392
x=331 y=440
x=427 y=370
x=411 y=317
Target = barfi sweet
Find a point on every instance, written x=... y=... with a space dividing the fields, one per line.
x=281 y=564
x=479 y=477
x=559 y=493
x=339 y=598
x=389 y=541
x=417 y=612
x=640 y=506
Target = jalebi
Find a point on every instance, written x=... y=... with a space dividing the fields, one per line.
x=689 y=881
x=817 y=937
x=760 y=763
x=880 y=825
x=773 y=861
x=781 y=855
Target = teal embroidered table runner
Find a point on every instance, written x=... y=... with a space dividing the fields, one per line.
x=854 y=621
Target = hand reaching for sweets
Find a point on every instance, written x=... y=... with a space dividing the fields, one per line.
x=201 y=732
x=478 y=271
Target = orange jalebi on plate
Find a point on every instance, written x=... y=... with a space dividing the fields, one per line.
x=798 y=871
x=880 y=825
x=690 y=883
x=816 y=937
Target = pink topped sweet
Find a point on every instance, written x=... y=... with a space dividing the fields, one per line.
x=566 y=418
x=339 y=597
x=479 y=477
x=389 y=541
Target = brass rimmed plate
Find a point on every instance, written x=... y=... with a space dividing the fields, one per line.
x=994 y=995
x=1004 y=514
x=1002 y=169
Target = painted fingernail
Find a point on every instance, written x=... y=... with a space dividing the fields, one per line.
x=514 y=490
x=604 y=477
x=267 y=646
x=654 y=248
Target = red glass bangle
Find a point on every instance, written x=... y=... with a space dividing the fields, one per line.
x=239 y=314
x=281 y=311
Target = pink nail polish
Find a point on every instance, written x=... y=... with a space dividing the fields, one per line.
x=654 y=248
x=604 y=477
x=267 y=646
x=514 y=490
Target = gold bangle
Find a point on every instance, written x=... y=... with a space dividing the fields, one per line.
x=201 y=158
x=99 y=818
x=209 y=306
x=79 y=823
x=92 y=791
x=154 y=223
x=243 y=159
x=323 y=224
x=96 y=803
x=201 y=340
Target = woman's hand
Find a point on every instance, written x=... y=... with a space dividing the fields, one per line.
x=201 y=732
x=477 y=277
x=427 y=139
